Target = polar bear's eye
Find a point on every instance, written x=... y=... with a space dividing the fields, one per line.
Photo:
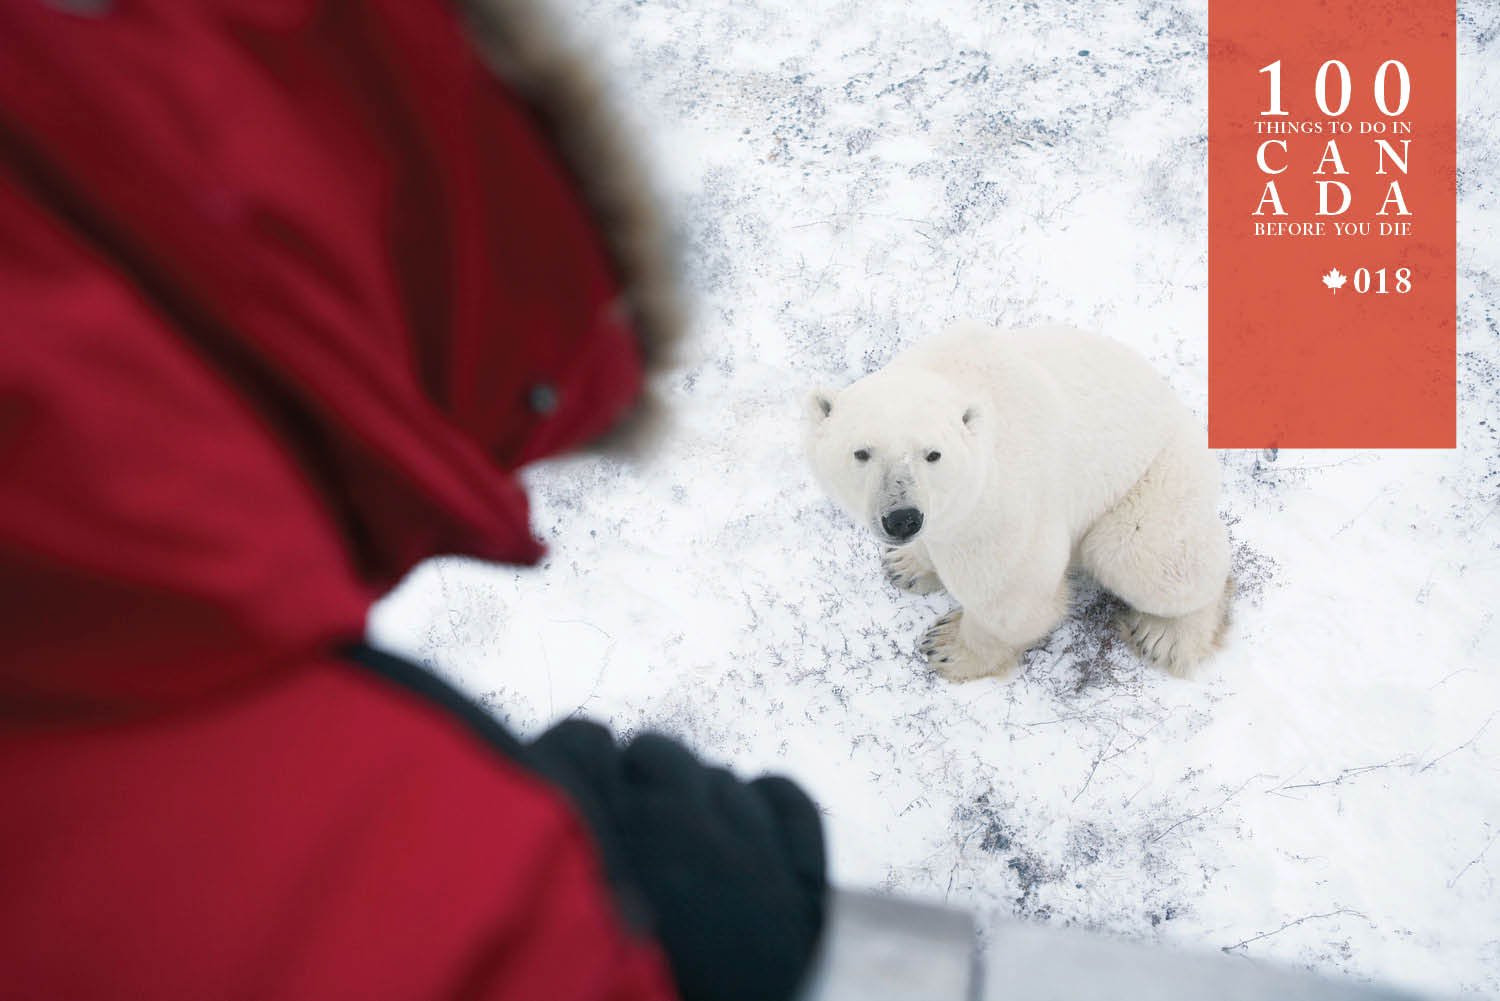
x=862 y=454
x=934 y=456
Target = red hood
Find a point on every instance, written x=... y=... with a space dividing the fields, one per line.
x=290 y=289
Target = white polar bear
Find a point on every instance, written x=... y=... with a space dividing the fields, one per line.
x=992 y=461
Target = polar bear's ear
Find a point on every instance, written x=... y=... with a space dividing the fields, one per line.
x=819 y=404
x=971 y=418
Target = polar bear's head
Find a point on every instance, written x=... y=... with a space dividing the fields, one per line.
x=903 y=453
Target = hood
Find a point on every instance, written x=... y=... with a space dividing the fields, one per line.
x=291 y=290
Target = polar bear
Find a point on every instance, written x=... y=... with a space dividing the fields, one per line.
x=990 y=462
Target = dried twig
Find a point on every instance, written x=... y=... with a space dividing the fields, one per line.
x=1477 y=734
x=1289 y=924
x=1473 y=860
x=1097 y=759
x=1346 y=774
x=1204 y=812
x=1452 y=674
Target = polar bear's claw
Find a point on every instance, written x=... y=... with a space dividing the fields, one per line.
x=955 y=660
x=909 y=570
x=1177 y=644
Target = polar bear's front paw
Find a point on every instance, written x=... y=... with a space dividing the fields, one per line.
x=910 y=571
x=951 y=657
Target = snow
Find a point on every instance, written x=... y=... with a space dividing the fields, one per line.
x=851 y=176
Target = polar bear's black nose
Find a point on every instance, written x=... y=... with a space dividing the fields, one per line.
x=902 y=523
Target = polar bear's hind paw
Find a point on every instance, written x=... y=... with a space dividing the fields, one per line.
x=1179 y=643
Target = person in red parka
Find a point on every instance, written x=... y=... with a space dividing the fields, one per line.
x=290 y=290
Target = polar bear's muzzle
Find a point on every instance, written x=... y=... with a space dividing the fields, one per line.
x=901 y=524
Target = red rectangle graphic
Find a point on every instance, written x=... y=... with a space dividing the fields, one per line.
x=1332 y=229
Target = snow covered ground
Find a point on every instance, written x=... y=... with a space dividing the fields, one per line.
x=850 y=177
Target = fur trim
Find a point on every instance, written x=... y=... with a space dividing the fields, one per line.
x=526 y=48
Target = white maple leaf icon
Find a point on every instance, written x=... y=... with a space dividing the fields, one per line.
x=1334 y=279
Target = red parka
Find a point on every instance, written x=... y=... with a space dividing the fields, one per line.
x=288 y=290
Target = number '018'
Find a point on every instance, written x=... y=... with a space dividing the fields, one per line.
x=1320 y=88
x=1362 y=281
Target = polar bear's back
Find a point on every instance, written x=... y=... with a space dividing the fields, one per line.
x=1105 y=381
x=1108 y=412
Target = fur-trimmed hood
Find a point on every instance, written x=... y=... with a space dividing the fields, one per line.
x=295 y=288
x=526 y=46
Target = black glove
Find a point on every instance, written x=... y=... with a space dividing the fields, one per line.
x=732 y=872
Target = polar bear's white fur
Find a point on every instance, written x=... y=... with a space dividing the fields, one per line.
x=992 y=461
